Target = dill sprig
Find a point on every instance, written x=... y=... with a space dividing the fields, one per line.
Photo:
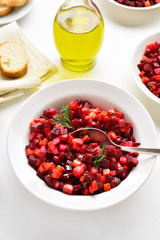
x=100 y=157
x=64 y=117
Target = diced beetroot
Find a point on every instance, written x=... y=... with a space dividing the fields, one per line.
x=115 y=182
x=131 y=161
x=109 y=178
x=37 y=127
x=113 y=173
x=77 y=187
x=31 y=146
x=49 y=136
x=62 y=156
x=56 y=183
x=49 y=112
x=56 y=140
x=32 y=136
x=65 y=177
x=49 y=180
x=83 y=149
x=123 y=160
x=85 y=192
x=32 y=161
x=68 y=188
x=62 y=147
x=56 y=132
x=64 y=137
x=103 y=179
x=52 y=149
x=56 y=159
x=78 y=171
x=157 y=71
x=73 y=105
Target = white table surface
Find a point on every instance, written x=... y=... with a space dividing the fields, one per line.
x=23 y=216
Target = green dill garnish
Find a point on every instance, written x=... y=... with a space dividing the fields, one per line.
x=100 y=157
x=64 y=117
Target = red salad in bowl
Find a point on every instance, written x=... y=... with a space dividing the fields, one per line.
x=138 y=3
x=77 y=166
x=149 y=67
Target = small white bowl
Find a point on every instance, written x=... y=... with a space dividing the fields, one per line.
x=138 y=54
x=132 y=15
x=99 y=94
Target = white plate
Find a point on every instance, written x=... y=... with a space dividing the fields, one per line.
x=138 y=54
x=17 y=13
x=100 y=94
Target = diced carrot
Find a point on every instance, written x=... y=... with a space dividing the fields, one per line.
x=43 y=142
x=145 y=79
x=112 y=135
x=29 y=152
x=141 y=74
x=60 y=168
x=86 y=138
x=107 y=187
x=93 y=187
x=76 y=162
x=56 y=174
x=68 y=188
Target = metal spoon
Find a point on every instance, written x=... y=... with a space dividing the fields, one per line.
x=97 y=135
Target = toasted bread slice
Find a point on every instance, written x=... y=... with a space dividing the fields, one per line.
x=13 y=60
x=14 y=3
x=4 y=10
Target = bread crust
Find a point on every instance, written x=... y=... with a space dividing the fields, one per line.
x=13 y=74
x=19 y=72
x=4 y=10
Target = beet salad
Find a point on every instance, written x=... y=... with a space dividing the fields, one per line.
x=149 y=67
x=75 y=165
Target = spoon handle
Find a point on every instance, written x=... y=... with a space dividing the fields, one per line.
x=151 y=151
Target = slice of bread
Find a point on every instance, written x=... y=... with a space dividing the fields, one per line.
x=13 y=60
x=4 y=10
x=14 y=3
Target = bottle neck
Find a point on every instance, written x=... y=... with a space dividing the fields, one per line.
x=87 y=3
x=72 y=3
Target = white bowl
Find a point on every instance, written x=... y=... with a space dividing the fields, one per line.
x=138 y=54
x=133 y=15
x=100 y=94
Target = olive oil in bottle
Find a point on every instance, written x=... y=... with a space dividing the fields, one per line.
x=78 y=34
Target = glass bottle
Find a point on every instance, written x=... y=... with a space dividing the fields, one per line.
x=78 y=33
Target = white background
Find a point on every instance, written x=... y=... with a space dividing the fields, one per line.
x=23 y=216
